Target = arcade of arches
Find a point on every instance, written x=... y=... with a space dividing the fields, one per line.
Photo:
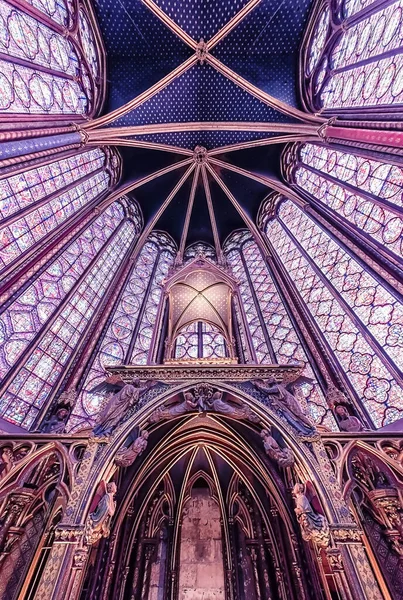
x=201 y=300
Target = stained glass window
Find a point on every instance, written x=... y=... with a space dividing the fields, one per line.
x=274 y=337
x=45 y=323
x=360 y=318
x=38 y=201
x=200 y=249
x=148 y=318
x=200 y=340
x=366 y=192
x=130 y=326
x=364 y=63
x=40 y=69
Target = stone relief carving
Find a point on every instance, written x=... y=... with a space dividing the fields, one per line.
x=204 y=398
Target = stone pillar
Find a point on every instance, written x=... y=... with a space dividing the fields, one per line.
x=62 y=576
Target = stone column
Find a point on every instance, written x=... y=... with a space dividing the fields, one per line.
x=65 y=566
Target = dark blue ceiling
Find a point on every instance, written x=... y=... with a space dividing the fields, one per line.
x=263 y=48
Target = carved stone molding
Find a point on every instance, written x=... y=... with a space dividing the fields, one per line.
x=345 y=533
x=178 y=373
x=69 y=534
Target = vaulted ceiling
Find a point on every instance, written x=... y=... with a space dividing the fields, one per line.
x=213 y=47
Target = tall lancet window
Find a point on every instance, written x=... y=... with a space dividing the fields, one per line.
x=366 y=193
x=50 y=60
x=353 y=55
x=269 y=327
x=360 y=317
x=129 y=332
x=37 y=203
x=42 y=326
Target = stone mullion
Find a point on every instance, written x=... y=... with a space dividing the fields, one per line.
x=35 y=267
x=37 y=67
x=350 y=188
x=298 y=327
x=324 y=356
x=45 y=327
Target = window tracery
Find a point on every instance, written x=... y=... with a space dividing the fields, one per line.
x=359 y=64
x=38 y=201
x=200 y=340
x=42 y=327
x=43 y=69
x=358 y=316
x=273 y=335
x=365 y=192
x=127 y=338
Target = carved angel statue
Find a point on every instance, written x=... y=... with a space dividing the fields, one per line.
x=126 y=456
x=165 y=413
x=314 y=526
x=98 y=524
x=242 y=412
x=283 y=456
x=347 y=422
x=285 y=401
x=119 y=404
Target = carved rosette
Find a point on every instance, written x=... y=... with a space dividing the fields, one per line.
x=335 y=560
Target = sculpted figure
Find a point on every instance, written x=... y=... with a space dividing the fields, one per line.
x=283 y=456
x=6 y=461
x=346 y=421
x=165 y=413
x=314 y=526
x=243 y=412
x=284 y=399
x=118 y=405
x=126 y=456
x=56 y=423
x=98 y=524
